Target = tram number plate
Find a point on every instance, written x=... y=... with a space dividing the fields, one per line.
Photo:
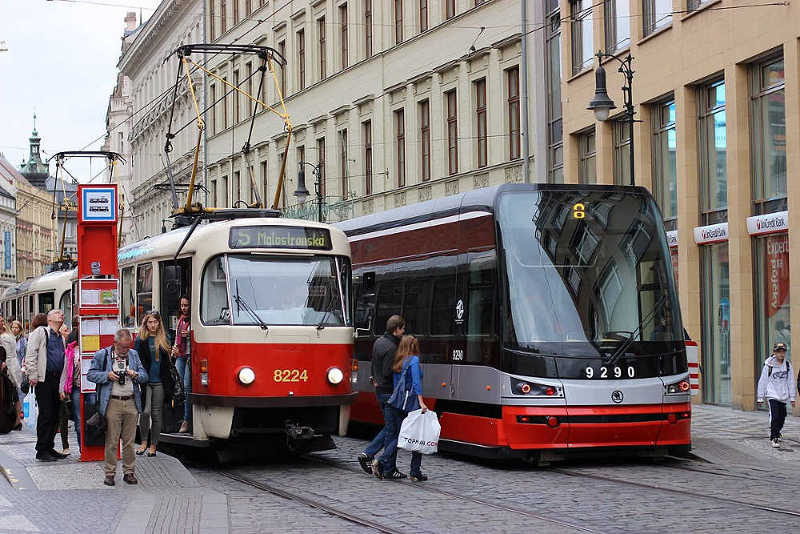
x=290 y=375
x=616 y=371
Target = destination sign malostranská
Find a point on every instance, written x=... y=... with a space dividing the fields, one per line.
x=280 y=237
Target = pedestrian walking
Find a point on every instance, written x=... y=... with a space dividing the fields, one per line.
x=181 y=351
x=154 y=350
x=777 y=385
x=118 y=373
x=44 y=361
x=14 y=373
x=70 y=386
x=383 y=352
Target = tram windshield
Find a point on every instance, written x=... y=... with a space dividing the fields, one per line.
x=276 y=291
x=586 y=266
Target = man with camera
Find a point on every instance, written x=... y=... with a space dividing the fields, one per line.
x=118 y=373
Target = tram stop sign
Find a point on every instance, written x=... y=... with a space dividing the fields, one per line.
x=97 y=230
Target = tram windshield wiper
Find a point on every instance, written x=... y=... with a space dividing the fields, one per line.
x=629 y=340
x=328 y=310
x=241 y=303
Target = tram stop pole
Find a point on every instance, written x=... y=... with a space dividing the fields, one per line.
x=97 y=295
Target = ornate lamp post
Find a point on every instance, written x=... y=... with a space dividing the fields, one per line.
x=302 y=193
x=601 y=104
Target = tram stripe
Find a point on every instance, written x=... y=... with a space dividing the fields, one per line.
x=417 y=226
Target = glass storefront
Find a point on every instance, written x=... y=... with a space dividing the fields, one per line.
x=772 y=295
x=716 y=318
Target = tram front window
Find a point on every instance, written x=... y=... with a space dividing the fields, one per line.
x=585 y=268
x=277 y=291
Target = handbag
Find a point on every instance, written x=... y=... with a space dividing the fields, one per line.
x=402 y=397
x=419 y=432
x=25 y=386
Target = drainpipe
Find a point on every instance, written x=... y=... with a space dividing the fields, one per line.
x=523 y=73
x=205 y=120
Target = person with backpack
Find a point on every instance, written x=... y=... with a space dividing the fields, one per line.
x=406 y=397
x=777 y=385
x=44 y=361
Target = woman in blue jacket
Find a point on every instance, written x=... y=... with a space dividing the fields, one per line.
x=406 y=359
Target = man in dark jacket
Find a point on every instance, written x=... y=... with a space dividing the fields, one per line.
x=383 y=378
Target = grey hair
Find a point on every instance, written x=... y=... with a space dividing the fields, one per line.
x=52 y=313
x=121 y=334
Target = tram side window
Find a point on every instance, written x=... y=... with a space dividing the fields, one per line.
x=128 y=298
x=144 y=290
x=214 y=308
x=417 y=306
x=46 y=302
x=390 y=302
x=480 y=317
x=65 y=305
x=443 y=306
x=364 y=302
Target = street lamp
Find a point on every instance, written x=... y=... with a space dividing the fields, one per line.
x=601 y=104
x=302 y=193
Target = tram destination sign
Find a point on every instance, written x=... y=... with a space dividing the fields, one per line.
x=295 y=237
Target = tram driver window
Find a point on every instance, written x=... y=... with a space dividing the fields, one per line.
x=214 y=308
x=144 y=290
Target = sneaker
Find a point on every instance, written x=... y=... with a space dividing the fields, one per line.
x=365 y=462
x=775 y=443
x=395 y=475
x=376 y=470
x=109 y=480
x=418 y=477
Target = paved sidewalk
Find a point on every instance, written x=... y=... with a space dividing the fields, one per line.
x=69 y=496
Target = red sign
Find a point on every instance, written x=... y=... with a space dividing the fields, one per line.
x=777 y=273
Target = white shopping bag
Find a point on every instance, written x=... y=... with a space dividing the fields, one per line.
x=420 y=432
x=30 y=408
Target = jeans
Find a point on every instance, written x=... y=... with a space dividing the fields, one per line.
x=416 y=463
x=184 y=367
x=777 y=416
x=150 y=420
x=378 y=441
x=394 y=418
x=75 y=395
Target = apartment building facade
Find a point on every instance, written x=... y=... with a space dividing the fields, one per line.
x=717 y=97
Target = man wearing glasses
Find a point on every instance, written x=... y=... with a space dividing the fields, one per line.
x=118 y=373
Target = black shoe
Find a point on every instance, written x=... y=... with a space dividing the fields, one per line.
x=57 y=454
x=394 y=475
x=365 y=462
x=418 y=477
x=46 y=457
x=130 y=478
x=109 y=480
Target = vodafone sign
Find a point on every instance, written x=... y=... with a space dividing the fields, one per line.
x=768 y=224
x=713 y=233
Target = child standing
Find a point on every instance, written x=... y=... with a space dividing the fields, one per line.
x=777 y=385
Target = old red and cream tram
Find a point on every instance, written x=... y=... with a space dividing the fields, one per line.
x=39 y=295
x=547 y=317
x=271 y=336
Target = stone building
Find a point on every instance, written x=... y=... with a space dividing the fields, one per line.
x=9 y=177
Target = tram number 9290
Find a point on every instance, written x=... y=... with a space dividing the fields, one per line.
x=610 y=372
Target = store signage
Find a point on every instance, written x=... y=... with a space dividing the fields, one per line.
x=713 y=233
x=672 y=238
x=98 y=204
x=768 y=224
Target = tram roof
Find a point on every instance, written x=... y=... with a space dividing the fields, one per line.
x=211 y=234
x=52 y=281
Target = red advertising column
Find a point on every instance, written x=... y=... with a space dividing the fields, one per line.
x=98 y=298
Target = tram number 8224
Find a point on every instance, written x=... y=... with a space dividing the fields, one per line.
x=611 y=372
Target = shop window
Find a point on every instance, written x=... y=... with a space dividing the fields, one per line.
x=716 y=320
x=665 y=170
x=657 y=15
x=772 y=295
x=768 y=118
x=582 y=43
x=713 y=151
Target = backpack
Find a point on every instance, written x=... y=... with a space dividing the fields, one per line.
x=402 y=397
x=788 y=369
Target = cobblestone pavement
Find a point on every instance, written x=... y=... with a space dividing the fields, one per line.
x=735 y=483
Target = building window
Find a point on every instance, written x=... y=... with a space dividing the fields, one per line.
x=555 y=147
x=264 y=183
x=343 y=22
x=301 y=59
x=582 y=43
x=425 y=135
x=223 y=20
x=664 y=148
x=213 y=110
x=282 y=51
x=480 y=120
x=400 y=128
x=452 y=132
x=713 y=150
x=367 y=129
x=235 y=12
x=224 y=104
x=398 y=21
x=694 y=5
x=768 y=118
x=618 y=25
x=450 y=9
x=657 y=14
x=323 y=51
x=512 y=81
x=368 y=27
x=236 y=98
x=248 y=69
x=587 y=171
x=212 y=20
x=716 y=349
x=343 y=163
x=622 y=152
x=423 y=15
x=321 y=164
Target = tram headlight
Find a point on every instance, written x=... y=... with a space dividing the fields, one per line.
x=532 y=389
x=678 y=388
x=246 y=376
x=335 y=375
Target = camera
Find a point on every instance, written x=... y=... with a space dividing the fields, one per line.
x=120 y=366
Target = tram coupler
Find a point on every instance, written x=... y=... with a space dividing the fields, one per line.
x=295 y=431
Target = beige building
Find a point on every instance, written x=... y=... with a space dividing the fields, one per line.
x=394 y=101
x=717 y=96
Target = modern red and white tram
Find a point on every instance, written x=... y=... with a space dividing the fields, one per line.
x=547 y=317
x=271 y=335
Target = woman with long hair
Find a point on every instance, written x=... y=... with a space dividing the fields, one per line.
x=11 y=369
x=154 y=352
x=406 y=360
